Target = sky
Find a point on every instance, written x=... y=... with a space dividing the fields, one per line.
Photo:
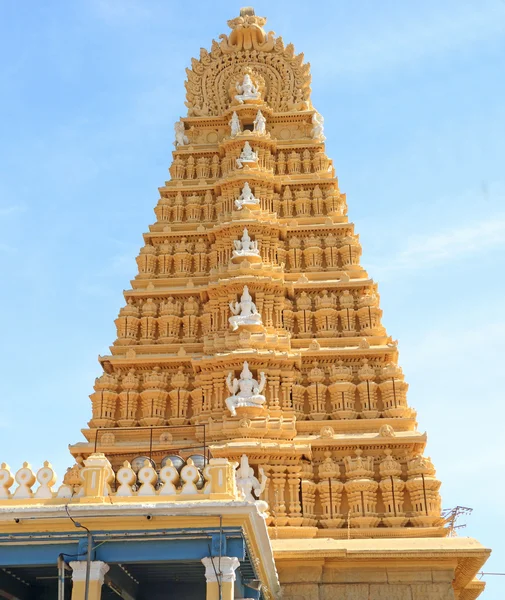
x=412 y=96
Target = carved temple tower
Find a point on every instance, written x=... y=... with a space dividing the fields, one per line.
x=252 y=328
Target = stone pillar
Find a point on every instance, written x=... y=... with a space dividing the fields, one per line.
x=220 y=571
x=97 y=572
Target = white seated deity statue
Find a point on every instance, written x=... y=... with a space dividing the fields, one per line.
x=260 y=124
x=318 y=129
x=235 y=125
x=246 y=391
x=181 y=139
x=245 y=314
x=246 y=90
x=245 y=248
x=247 y=482
x=246 y=156
x=246 y=198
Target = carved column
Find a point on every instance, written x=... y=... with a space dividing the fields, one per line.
x=316 y=392
x=331 y=253
x=146 y=261
x=179 y=397
x=104 y=401
x=127 y=324
x=347 y=313
x=350 y=252
x=279 y=503
x=154 y=397
x=286 y=391
x=148 y=322
x=128 y=400
x=361 y=490
x=273 y=389
x=392 y=486
x=302 y=203
x=294 y=506
x=393 y=391
x=313 y=254
x=220 y=577
x=266 y=495
x=308 y=495
x=330 y=490
x=97 y=572
x=367 y=390
x=423 y=490
x=299 y=392
x=342 y=392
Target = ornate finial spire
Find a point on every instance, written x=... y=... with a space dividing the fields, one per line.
x=247 y=33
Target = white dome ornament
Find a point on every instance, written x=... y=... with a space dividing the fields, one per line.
x=246 y=391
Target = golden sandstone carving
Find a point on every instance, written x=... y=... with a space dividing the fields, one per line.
x=251 y=317
x=253 y=331
x=251 y=313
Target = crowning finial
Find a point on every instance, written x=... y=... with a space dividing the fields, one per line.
x=247 y=33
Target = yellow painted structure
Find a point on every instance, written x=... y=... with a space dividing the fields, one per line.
x=252 y=328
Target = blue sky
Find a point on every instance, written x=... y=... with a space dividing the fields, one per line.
x=412 y=95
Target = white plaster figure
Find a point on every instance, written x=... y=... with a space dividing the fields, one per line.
x=246 y=248
x=235 y=125
x=244 y=312
x=260 y=124
x=181 y=139
x=246 y=90
x=246 y=391
x=246 y=156
x=247 y=483
x=246 y=198
x=318 y=129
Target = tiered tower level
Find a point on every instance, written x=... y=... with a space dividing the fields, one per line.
x=252 y=315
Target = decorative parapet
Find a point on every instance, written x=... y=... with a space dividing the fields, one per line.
x=97 y=483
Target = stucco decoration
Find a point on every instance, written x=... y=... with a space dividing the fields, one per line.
x=280 y=75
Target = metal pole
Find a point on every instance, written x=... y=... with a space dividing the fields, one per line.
x=151 y=444
x=88 y=566
x=424 y=492
x=61 y=578
x=393 y=492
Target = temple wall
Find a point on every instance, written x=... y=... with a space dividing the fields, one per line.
x=310 y=583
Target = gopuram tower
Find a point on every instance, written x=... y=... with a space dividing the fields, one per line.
x=252 y=329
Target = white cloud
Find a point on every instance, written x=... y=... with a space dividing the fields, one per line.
x=445 y=246
x=400 y=40
x=6 y=211
x=119 y=11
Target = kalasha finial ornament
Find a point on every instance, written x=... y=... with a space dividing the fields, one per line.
x=247 y=33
